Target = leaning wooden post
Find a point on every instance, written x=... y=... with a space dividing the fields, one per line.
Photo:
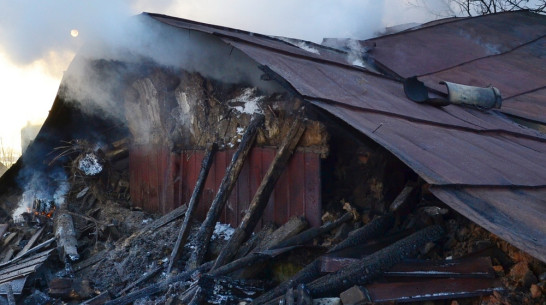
x=259 y=202
x=228 y=182
x=192 y=205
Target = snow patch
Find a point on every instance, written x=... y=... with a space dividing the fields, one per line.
x=222 y=231
x=249 y=101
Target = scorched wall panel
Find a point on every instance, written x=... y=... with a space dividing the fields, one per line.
x=162 y=181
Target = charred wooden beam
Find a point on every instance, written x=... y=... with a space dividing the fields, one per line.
x=249 y=260
x=259 y=202
x=10 y=295
x=228 y=182
x=373 y=229
x=438 y=289
x=361 y=271
x=372 y=245
x=312 y=233
x=192 y=205
x=65 y=234
x=368 y=268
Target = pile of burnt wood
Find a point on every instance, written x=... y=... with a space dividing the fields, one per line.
x=414 y=251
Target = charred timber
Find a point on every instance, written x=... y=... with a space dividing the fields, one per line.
x=228 y=182
x=192 y=205
x=357 y=273
x=259 y=202
x=291 y=228
x=312 y=233
x=65 y=234
x=373 y=229
x=368 y=268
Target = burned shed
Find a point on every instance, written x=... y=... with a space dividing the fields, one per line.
x=261 y=129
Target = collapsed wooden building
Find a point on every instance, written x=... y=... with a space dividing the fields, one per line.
x=220 y=125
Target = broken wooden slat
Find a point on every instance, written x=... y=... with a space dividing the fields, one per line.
x=30 y=243
x=23 y=267
x=438 y=289
x=261 y=197
x=228 y=182
x=65 y=235
x=192 y=205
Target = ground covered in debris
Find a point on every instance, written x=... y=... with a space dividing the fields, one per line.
x=125 y=250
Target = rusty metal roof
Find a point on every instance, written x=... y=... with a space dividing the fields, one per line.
x=472 y=158
x=506 y=50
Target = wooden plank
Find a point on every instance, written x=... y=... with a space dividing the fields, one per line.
x=438 y=289
x=30 y=243
x=313 y=201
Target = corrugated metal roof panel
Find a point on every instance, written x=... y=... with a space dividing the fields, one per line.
x=513 y=73
x=438 y=47
x=530 y=105
x=486 y=155
x=450 y=156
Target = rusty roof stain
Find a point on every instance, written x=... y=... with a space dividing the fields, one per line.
x=482 y=164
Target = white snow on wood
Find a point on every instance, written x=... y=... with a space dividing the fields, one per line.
x=249 y=100
x=222 y=231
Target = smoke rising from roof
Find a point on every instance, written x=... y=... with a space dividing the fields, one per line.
x=31 y=30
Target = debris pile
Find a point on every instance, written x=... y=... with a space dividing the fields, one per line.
x=93 y=248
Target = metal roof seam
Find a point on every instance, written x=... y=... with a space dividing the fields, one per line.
x=454 y=21
x=484 y=57
x=417 y=120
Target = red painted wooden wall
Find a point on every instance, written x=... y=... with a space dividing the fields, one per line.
x=161 y=181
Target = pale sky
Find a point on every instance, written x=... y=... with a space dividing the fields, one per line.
x=36 y=45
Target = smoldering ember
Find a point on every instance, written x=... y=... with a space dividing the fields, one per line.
x=198 y=164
